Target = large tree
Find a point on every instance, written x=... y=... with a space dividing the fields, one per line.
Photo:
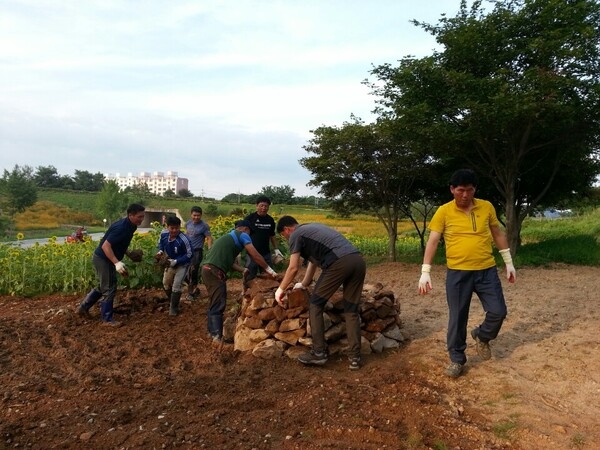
x=368 y=168
x=515 y=95
x=18 y=190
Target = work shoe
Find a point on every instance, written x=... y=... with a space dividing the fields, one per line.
x=483 y=348
x=354 y=363
x=112 y=323
x=313 y=359
x=454 y=370
x=83 y=312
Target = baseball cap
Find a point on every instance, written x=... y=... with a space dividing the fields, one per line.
x=242 y=223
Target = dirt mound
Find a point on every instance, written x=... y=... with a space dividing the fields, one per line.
x=156 y=382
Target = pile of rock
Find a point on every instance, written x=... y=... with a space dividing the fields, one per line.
x=269 y=331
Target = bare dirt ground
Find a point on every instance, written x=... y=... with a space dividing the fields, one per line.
x=156 y=382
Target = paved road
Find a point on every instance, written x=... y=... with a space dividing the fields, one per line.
x=26 y=243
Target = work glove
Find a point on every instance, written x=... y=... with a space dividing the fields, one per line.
x=172 y=262
x=299 y=286
x=158 y=256
x=121 y=268
x=271 y=272
x=425 y=280
x=277 y=256
x=279 y=293
x=511 y=273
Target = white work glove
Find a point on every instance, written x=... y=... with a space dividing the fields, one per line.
x=299 y=286
x=277 y=256
x=120 y=266
x=172 y=262
x=425 y=280
x=279 y=293
x=271 y=272
x=158 y=255
x=511 y=273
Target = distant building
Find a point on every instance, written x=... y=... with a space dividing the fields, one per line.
x=158 y=183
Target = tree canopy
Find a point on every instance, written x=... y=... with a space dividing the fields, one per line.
x=514 y=95
x=18 y=190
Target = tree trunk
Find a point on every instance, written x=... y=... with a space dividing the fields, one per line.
x=392 y=236
x=513 y=227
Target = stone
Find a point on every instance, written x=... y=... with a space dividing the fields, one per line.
x=253 y=322
x=292 y=324
x=297 y=298
x=269 y=349
x=394 y=333
x=290 y=337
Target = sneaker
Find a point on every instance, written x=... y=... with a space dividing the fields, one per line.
x=313 y=359
x=83 y=312
x=112 y=323
x=354 y=363
x=483 y=348
x=454 y=370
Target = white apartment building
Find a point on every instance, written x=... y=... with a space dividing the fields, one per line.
x=158 y=183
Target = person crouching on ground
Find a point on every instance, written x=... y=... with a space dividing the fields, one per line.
x=218 y=261
x=341 y=264
x=178 y=248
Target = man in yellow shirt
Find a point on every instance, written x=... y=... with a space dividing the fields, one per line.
x=469 y=225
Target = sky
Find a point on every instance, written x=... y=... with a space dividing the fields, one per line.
x=225 y=93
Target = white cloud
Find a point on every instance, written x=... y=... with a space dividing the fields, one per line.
x=223 y=92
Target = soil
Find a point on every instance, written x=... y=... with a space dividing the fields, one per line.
x=156 y=382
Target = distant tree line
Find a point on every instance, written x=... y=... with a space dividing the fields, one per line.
x=19 y=190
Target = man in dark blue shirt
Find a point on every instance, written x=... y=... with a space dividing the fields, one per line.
x=107 y=261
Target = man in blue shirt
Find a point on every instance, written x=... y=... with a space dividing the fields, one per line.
x=178 y=247
x=107 y=261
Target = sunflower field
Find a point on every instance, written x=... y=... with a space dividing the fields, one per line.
x=67 y=268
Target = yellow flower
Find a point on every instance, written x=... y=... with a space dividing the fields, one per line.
x=20 y=236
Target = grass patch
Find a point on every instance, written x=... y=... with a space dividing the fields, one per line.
x=505 y=428
x=578 y=440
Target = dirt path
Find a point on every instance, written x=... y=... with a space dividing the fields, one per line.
x=156 y=382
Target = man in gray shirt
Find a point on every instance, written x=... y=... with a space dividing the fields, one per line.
x=341 y=264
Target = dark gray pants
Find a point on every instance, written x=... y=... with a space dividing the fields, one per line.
x=107 y=285
x=215 y=281
x=460 y=287
x=348 y=271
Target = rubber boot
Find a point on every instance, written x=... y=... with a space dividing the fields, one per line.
x=174 y=308
x=89 y=301
x=106 y=310
x=215 y=326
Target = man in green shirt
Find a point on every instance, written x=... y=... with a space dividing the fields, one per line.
x=218 y=261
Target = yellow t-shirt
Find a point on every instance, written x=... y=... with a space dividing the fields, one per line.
x=467 y=236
